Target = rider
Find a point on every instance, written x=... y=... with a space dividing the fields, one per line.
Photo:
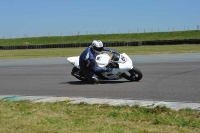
x=87 y=61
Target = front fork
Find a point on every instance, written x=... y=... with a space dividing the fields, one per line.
x=127 y=73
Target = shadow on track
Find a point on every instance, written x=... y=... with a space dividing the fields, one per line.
x=88 y=83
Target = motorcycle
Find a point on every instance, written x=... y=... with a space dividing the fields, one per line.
x=121 y=63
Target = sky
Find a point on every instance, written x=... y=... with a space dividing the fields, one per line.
x=35 y=18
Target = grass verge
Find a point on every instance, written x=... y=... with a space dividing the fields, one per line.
x=102 y=37
x=65 y=52
x=25 y=116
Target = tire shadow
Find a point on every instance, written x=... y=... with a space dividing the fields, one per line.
x=89 y=83
x=75 y=83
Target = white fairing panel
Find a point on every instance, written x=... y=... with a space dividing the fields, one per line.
x=102 y=60
x=127 y=65
x=74 y=61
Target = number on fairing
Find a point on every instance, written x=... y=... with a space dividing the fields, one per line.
x=123 y=58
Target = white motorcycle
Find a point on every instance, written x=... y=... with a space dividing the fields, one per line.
x=121 y=64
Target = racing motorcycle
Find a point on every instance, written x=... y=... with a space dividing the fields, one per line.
x=121 y=63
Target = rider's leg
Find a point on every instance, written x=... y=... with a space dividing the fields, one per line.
x=89 y=74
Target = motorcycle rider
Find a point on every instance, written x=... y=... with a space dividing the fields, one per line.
x=87 y=61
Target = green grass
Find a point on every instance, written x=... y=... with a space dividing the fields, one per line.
x=27 y=117
x=103 y=38
x=131 y=50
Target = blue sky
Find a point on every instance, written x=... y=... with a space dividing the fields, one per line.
x=68 y=17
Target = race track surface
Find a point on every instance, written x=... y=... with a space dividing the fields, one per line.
x=174 y=77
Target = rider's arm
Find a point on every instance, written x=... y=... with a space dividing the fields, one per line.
x=109 y=50
x=106 y=49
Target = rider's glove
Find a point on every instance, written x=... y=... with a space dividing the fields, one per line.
x=108 y=69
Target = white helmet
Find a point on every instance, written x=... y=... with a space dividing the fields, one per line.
x=97 y=46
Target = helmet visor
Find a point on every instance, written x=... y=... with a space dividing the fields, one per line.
x=99 y=49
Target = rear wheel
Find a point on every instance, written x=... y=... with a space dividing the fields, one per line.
x=135 y=75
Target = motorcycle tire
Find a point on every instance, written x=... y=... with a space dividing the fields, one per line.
x=136 y=75
x=76 y=73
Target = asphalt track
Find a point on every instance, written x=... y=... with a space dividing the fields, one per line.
x=173 y=77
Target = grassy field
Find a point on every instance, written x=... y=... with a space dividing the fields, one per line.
x=27 y=117
x=65 y=52
x=103 y=38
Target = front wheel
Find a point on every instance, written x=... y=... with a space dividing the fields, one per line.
x=135 y=74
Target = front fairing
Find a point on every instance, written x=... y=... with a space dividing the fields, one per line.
x=124 y=63
x=102 y=60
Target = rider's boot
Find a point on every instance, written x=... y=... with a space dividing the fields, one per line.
x=94 y=80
